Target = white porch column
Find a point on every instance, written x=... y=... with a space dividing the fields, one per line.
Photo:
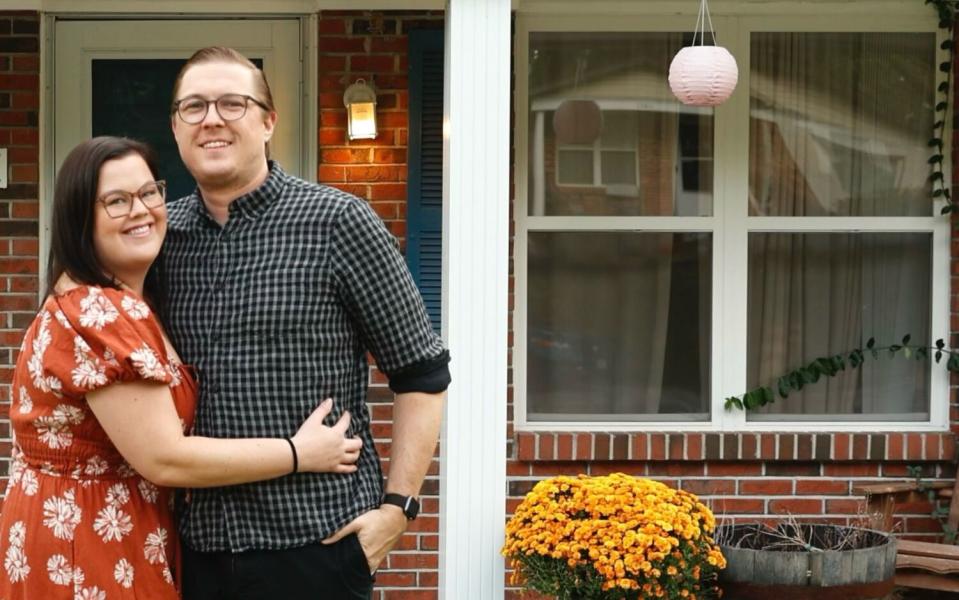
x=475 y=271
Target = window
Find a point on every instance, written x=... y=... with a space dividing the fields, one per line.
x=671 y=256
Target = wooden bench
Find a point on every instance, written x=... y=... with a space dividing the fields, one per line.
x=921 y=565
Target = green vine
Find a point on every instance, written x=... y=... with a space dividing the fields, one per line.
x=830 y=366
x=946 y=9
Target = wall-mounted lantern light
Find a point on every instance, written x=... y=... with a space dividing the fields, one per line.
x=360 y=102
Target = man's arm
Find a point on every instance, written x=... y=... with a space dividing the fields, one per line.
x=416 y=428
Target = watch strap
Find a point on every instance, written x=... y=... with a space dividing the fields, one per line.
x=409 y=504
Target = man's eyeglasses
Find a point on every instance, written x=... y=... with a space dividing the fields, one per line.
x=230 y=107
x=119 y=203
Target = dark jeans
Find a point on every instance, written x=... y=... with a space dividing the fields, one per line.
x=314 y=572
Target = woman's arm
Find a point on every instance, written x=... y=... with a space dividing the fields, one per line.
x=141 y=421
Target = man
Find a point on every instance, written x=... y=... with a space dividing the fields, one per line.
x=278 y=289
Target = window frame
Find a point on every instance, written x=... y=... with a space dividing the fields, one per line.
x=730 y=223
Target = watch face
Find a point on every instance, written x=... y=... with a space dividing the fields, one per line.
x=412 y=509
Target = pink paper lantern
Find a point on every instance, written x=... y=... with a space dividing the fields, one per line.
x=703 y=75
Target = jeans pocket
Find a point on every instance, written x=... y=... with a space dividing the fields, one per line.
x=357 y=557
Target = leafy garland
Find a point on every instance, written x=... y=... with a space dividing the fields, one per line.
x=946 y=9
x=829 y=366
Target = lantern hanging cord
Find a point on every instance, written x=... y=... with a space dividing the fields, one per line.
x=701 y=19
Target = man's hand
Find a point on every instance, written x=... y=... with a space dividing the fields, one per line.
x=378 y=531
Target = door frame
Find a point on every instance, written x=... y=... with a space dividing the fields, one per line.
x=47 y=115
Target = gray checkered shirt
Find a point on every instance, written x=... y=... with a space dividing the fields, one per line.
x=277 y=311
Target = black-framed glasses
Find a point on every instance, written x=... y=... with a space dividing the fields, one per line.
x=119 y=203
x=230 y=107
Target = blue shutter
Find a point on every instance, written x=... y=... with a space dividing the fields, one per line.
x=424 y=209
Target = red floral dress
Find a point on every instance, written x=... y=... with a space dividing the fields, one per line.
x=78 y=523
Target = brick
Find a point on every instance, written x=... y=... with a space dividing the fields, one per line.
x=26 y=62
x=675 y=469
x=657 y=446
x=584 y=446
x=25 y=100
x=841 y=446
x=804 y=446
x=823 y=447
x=709 y=487
x=896 y=446
x=765 y=487
x=694 y=446
x=851 y=470
x=526 y=446
x=393 y=119
x=329 y=64
x=24 y=173
x=767 y=446
x=796 y=506
x=388 y=191
x=331 y=174
x=329 y=136
x=787 y=446
x=544 y=446
x=750 y=446
x=845 y=506
x=676 y=446
x=793 y=469
x=375 y=174
x=738 y=506
x=373 y=63
x=822 y=487
x=389 y=44
x=640 y=448
x=18 y=228
x=620 y=446
x=564 y=446
x=332 y=25
x=601 y=446
x=389 y=156
x=347 y=156
x=19 y=44
x=552 y=469
x=734 y=469
x=26 y=25
x=341 y=45
x=860 y=447
x=877 y=446
x=730 y=446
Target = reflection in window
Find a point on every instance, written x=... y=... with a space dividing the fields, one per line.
x=839 y=123
x=618 y=325
x=822 y=294
x=606 y=135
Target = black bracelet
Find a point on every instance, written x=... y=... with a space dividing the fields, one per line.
x=296 y=460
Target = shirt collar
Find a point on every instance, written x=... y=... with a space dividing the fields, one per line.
x=252 y=204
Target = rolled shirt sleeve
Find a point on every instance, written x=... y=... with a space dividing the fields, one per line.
x=384 y=303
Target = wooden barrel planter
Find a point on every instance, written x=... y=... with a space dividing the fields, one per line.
x=805 y=561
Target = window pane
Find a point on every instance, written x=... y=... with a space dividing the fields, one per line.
x=619 y=167
x=839 y=123
x=576 y=167
x=618 y=326
x=822 y=294
x=610 y=91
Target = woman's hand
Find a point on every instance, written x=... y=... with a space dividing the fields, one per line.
x=322 y=449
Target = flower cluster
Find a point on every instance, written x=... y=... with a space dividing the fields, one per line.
x=613 y=537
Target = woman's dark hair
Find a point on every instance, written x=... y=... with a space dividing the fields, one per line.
x=74 y=200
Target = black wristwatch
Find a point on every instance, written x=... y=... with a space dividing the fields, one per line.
x=409 y=504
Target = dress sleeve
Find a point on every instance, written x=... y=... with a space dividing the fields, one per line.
x=98 y=336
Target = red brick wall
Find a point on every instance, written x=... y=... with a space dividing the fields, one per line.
x=373 y=45
x=19 y=202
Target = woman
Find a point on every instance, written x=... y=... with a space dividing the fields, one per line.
x=101 y=403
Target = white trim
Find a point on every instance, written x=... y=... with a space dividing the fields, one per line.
x=730 y=224
x=777 y=8
x=214 y=7
x=47 y=172
x=475 y=275
x=309 y=111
